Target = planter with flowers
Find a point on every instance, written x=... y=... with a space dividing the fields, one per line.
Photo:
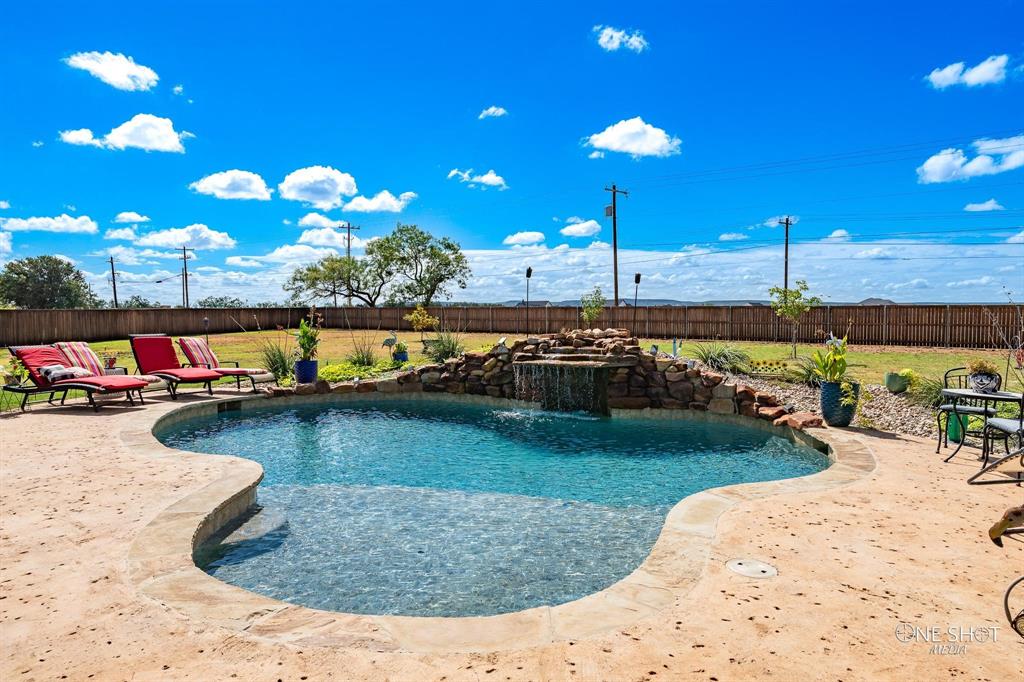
x=307 y=339
x=839 y=393
x=983 y=376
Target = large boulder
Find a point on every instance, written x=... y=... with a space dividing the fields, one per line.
x=771 y=413
x=722 y=406
x=799 y=420
x=724 y=391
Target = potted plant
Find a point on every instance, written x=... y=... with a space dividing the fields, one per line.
x=982 y=376
x=307 y=339
x=839 y=394
x=400 y=352
x=899 y=382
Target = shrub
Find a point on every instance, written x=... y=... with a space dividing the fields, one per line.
x=362 y=353
x=447 y=344
x=347 y=371
x=926 y=392
x=801 y=371
x=276 y=359
x=723 y=357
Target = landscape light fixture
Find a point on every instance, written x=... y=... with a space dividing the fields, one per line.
x=529 y=274
x=206 y=329
x=636 y=281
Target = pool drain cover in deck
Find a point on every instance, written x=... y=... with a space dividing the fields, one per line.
x=752 y=568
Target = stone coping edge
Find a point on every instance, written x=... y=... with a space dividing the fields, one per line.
x=161 y=566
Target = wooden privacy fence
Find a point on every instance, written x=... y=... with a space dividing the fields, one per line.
x=962 y=326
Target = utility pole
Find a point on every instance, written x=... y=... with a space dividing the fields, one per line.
x=785 y=268
x=615 y=234
x=113 y=280
x=348 y=254
x=184 y=276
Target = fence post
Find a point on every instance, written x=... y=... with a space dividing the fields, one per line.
x=885 y=325
x=948 y=325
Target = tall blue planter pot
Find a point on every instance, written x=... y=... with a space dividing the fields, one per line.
x=305 y=371
x=832 y=408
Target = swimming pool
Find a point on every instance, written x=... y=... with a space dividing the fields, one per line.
x=442 y=509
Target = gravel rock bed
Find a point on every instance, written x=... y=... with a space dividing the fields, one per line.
x=879 y=409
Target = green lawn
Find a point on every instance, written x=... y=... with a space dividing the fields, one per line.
x=867 y=363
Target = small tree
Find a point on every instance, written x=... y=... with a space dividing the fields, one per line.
x=592 y=305
x=791 y=304
x=421 y=320
x=137 y=301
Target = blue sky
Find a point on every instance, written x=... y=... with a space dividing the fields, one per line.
x=876 y=126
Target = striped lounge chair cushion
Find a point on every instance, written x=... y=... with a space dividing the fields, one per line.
x=198 y=352
x=81 y=355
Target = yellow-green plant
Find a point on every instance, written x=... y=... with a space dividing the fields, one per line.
x=421 y=320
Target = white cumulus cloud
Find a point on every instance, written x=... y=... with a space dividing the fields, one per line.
x=196 y=236
x=992 y=156
x=488 y=179
x=6 y=243
x=125 y=233
x=327 y=236
x=382 y=202
x=838 y=236
x=732 y=237
x=142 y=131
x=233 y=184
x=635 y=137
x=117 y=70
x=990 y=205
x=5 y=205
x=523 y=238
x=319 y=186
x=319 y=220
x=577 y=227
x=130 y=217
x=992 y=70
x=289 y=254
x=1017 y=238
x=492 y=112
x=62 y=223
x=611 y=39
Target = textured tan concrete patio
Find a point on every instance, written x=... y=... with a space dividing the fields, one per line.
x=905 y=543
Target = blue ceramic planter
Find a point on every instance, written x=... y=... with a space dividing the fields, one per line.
x=305 y=371
x=400 y=356
x=832 y=408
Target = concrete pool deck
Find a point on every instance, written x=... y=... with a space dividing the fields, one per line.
x=903 y=542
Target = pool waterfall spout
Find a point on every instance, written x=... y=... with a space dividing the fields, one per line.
x=564 y=386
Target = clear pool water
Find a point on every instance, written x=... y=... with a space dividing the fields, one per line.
x=441 y=509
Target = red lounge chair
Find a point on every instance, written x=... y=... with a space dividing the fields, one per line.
x=34 y=358
x=200 y=354
x=154 y=354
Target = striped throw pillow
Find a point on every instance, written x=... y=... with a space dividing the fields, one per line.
x=198 y=352
x=81 y=355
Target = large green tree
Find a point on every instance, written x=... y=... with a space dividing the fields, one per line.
x=46 y=282
x=408 y=265
x=429 y=265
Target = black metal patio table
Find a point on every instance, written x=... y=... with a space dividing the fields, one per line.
x=956 y=395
